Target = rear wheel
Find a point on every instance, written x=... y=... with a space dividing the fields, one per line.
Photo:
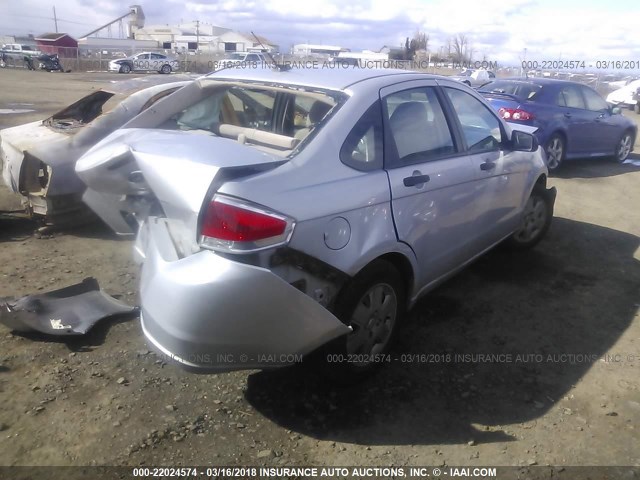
x=371 y=304
x=125 y=68
x=536 y=220
x=165 y=69
x=555 y=150
x=623 y=149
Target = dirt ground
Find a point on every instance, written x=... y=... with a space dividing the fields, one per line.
x=566 y=312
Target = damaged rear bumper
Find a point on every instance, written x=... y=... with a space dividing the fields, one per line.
x=210 y=313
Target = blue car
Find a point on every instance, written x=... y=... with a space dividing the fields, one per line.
x=573 y=120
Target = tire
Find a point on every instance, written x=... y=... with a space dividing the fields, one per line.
x=556 y=151
x=166 y=69
x=623 y=147
x=372 y=303
x=467 y=83
x=536 y=220
x=125 y=68
x=636 y=107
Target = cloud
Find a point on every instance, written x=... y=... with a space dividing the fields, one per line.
x=498 y=29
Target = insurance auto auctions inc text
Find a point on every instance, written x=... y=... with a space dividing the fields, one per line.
x=360 y=63
x=375 y=472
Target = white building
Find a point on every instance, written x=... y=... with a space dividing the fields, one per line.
x=203 y=37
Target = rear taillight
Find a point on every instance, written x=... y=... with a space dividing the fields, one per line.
x=515 y=114
x=237 y=226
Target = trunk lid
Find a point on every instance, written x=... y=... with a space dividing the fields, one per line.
x=137 y=172
x=502 y=100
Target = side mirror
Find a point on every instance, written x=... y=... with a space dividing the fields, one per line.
x=616 y=111
x=523 y=141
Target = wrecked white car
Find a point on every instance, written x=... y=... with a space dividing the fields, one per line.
x=38 y=158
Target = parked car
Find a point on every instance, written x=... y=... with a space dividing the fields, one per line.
x=260 y=245
x=243 y=60
x=636 y=97
x=572 y=120
x=145 y=62
x=18 y=54
x=474 y=78
x=50 y=63
x=625 y=96
x=38 y=158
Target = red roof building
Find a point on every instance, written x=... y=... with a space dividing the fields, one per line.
x=59 y=43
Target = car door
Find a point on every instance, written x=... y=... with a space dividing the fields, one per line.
x=575 y=117
x=432 y=204
x=499 y=173
x=480 y=78
x=156 y=61
x=603 y=129
x=142 y=62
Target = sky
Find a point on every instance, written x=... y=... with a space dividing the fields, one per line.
x=506 y=31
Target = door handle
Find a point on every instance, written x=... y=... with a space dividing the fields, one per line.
x=416 y=179
x=568 y=115
x=487 y=165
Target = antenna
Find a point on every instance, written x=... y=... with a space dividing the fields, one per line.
x=282 y=68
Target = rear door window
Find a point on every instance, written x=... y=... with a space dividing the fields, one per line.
x=418 y=127
x=570 y=96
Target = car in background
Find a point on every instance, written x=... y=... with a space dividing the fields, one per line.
x=241 y=60
x=636 y=97
x=572 y=120
x=264 y=238
x=13 y=54
x=145 y=62
x=474 y=78
x=38 y=158
x=626 y=96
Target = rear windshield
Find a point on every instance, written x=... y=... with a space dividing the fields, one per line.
x=276 y=118
x=524 y=90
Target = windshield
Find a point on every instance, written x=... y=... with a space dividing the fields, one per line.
x=235 y=56
x=525 y=90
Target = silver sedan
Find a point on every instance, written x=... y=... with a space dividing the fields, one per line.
x=280 y=213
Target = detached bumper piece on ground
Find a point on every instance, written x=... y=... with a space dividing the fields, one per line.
x=71 y=310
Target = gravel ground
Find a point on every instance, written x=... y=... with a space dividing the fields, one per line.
x=566 y=312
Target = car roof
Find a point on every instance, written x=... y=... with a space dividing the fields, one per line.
x=541 y=81
x=131 y=86
x=326 y=78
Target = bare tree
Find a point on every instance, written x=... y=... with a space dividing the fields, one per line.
x=422 y=40
x=462 y=49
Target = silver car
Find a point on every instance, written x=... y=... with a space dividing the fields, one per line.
x=145 y=62
x=279 y=212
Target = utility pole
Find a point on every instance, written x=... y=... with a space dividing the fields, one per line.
x=55 y=18
x=197 y=35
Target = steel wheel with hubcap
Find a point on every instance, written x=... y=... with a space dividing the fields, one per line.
x=555 y=151
x=624 y=147
x=536 y=219
x=165 y=69
x=372 y=304
x=373 y=321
